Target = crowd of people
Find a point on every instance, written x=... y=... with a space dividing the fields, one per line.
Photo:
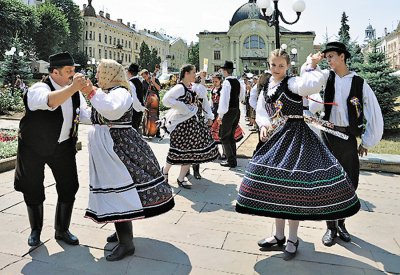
x=305 y=166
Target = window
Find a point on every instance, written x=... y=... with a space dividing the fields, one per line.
x=86 y=35
x=90 y=51
x=115 y=40
x=216 y=68
x=136 y=45
x=129 y=45
x=105 y=38
x=99 y=53
x=99 y=37
x=217 y=55
x=110 y=40
x=90 y=35
x=110 y=55
x=118 y=42
x=105 y=53
x=90 y=24
x=254 y=42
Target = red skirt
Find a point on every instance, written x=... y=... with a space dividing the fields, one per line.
x=239 y=134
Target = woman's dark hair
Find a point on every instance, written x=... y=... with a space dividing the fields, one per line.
x=185 y=69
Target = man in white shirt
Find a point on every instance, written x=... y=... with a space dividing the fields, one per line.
x=48 y=135
x=232 y=93
x=354 y=102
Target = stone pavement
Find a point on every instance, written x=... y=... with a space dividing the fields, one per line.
x=202 y=234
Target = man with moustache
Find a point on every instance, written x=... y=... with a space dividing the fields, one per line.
x=47 y=135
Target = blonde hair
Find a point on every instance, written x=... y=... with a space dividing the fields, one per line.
x=111 y=74
x=280 y=53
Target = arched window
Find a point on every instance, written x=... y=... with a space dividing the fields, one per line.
x=254 y=42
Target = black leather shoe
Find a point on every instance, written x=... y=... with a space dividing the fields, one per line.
x=226 y=163
x=343 y=234
x=34 y=238
x=67 y=237
x=329 y=237
x=184 y=184
x=196 y=171
x=265 y=244
x=112 y=238
x=287 y=256
x=222 y=157
x=120 y=252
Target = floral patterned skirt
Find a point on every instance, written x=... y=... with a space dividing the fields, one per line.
x=191 y=142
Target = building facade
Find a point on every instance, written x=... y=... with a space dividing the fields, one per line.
x=389 y=44
x=249 y=41
x=106 y=38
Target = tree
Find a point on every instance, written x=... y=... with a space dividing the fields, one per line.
x=144 y=56
x=75 y=23
x=14 y=65
x=154 y=59
x=194 y=57
x=16 y=19
x=376 y=71
x=344 y=35
x=52 y=32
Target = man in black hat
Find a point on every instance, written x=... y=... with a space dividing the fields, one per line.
x=137 y=95
x=47 y=135
x=229 y=113
x=349 y=100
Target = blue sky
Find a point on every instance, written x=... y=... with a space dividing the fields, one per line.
x=186 y=18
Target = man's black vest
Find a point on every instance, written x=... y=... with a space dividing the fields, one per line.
x=235 y=93
x=41 y=129
x=355 y=96
x=139 y=88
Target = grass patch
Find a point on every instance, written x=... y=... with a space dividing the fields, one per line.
x=8 y=143
x=390 y=144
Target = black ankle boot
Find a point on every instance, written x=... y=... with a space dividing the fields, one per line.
x=196 y=171
x=329 y=237
x=343 y=233
x=35 y=214
x=62 y=222
x=112 y=238
x=125 y=246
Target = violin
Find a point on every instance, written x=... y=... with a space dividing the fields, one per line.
x=150 y=116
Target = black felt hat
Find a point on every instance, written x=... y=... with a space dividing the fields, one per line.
x=228 y=65
x=133 y=68
x=61 y=60
x=336 y=47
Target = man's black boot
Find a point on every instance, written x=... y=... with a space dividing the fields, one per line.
x=35 y=214
x=63 y=219
x=329 y=237
x=343 y=233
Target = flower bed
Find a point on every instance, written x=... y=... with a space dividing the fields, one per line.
x=8 y=143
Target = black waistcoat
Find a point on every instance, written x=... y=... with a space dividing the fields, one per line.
x=139 y=88
x=235 y=93
x=356 y=94
x=41 y=129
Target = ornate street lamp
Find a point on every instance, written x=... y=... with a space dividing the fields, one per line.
x=272 y=15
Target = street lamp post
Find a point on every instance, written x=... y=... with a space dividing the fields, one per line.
x=13 y=53
x=272 y=15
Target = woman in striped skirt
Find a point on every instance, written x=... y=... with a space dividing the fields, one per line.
x=293 y=175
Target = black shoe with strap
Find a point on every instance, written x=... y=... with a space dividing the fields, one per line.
x=342 y=231
x=287 y=256
x=265 y=244
x=227 y=163
x=184 y=184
